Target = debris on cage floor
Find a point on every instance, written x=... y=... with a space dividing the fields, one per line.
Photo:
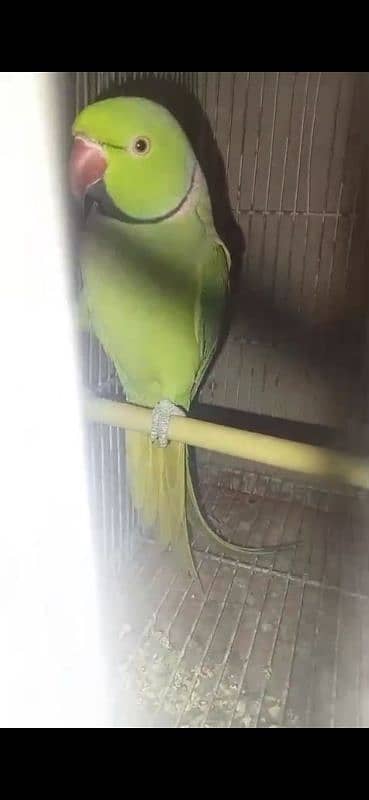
x=273 y=641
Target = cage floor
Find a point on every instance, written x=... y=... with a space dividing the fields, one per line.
x=274 y=641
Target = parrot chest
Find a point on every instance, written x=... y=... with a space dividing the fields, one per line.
x=142 y=307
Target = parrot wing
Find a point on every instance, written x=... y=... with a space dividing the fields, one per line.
x=212 y=295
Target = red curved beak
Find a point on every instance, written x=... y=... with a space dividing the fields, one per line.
x=87 y=165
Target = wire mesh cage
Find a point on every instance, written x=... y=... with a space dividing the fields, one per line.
x=295 y=149
x=286 y=159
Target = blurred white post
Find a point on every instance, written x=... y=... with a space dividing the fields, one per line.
x=52 y=671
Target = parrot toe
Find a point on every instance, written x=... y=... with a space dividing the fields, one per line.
x=162 y=412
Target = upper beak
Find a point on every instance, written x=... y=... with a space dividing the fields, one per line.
x=87 y=165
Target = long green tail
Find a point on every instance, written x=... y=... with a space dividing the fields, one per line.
x=163 y=494
x=199 y=522
x=157 y=480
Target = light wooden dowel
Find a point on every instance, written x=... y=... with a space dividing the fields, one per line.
x=291 y=456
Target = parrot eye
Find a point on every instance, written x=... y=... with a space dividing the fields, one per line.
x=141 y=145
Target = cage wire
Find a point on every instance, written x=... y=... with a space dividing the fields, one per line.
x=287 y=153
x=276 y=641
x=295 y=150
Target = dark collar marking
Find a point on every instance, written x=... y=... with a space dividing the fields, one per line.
x=97 y=193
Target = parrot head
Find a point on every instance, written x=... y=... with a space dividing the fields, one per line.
x=131 y=153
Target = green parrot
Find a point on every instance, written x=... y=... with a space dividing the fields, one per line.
x=155 y=284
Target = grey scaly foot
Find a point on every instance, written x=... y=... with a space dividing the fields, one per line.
x=161 y=414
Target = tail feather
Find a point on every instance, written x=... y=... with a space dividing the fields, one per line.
x=163 y=493
x=157 y=481
x=199 y=522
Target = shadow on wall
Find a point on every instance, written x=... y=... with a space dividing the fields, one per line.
x=253 y=310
